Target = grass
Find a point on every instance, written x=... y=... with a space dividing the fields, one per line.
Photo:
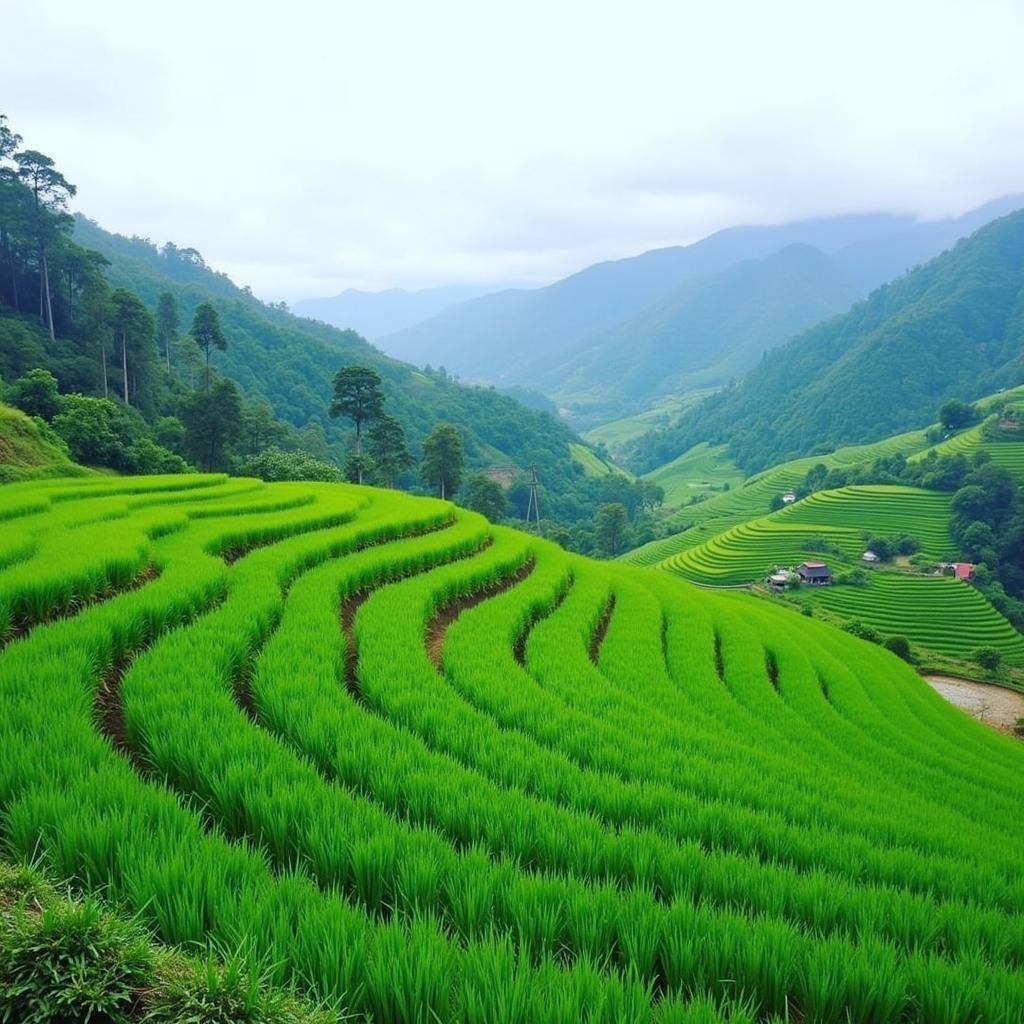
x=26 y=454
x=601 y=795
x=702 y=470
x=594 y=465
x=663 y=413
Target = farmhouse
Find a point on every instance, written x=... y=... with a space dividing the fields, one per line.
x=963 y=570
x=869 y=556
x=778 y=580
x=788 y=498
x=816 y=574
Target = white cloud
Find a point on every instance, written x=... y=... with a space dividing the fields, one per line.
x=312 y=146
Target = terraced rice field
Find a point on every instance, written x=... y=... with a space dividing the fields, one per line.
x=939 y=613
x=747 y=552
x=752 y=500
x=703 y=469
x=1008 y=454
x=436 y=770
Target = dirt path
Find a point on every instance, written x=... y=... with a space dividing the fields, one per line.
x=994 y=705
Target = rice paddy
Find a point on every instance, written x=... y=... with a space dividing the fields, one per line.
x=430 y=769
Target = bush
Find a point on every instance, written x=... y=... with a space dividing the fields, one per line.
x=276 y=464
x=865 y=632
x=988 y=658
x=900 y=646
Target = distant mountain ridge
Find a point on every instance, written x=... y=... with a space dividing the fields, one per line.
x=952 y=328
x=524 y=337
x=703 y=333
x=372 y=314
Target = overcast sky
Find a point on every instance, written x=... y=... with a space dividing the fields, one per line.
x=304 y=147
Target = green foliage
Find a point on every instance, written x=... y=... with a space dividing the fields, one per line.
x=900 y=646
x=206 y=332
x=213 y=422
x=484 y=495
x=946 y=330
x=273 y=463
x=955 y=415
x=388 y=453
x=36 y=394
x=611 y=525
x=988 y=658
x=68 y=959
x=443 y=461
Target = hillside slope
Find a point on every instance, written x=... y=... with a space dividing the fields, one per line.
x=26 y=453
x=290 y=361
x=701 y=334
x=952 y=328
x=495 y=781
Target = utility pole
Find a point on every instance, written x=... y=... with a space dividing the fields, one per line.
x=533 y=508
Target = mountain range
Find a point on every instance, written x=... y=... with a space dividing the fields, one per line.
x=652 y=312
x=372 y=314
x=952 y=328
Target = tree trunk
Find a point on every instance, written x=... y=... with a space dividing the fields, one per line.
x=46 y=294
x=103 y=357
x=124 y=363
x=207 y=367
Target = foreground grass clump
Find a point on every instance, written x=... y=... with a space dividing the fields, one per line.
x=423 y=769
x=66 y=958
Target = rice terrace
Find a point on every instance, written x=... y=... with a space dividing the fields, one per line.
x=435 y=769
x=512 y=513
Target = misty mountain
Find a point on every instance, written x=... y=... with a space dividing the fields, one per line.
x=372 y=314
x=521 y=337
x=702 y=333
x=953 y=328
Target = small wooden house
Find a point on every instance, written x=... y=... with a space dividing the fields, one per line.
x=815 y=574
x=789 y=497
x=869 y=556
x=778 y=580
x=963 y=570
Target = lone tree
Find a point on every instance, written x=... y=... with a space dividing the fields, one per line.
x=213 y=423
x=610 y=527
x=357 y=396
x=207 y=334
x=443 y=459
x=168 y=323
x=387 y=449
x=133 y=329
x=955 y=414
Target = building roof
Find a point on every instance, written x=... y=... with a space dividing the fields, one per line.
x=814 y=570
x=870 y=556
x=963 y=570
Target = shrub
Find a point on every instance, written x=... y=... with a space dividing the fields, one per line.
x=1018 y=727
x=900 y=646
x=988 y=658
x=862 y=630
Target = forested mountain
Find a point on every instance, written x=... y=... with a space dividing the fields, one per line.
x=523 y=336
x=952 y=328
x=704 y=332
x=375 y=313
x=289 y=361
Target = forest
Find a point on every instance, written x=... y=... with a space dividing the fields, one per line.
x=112 y=321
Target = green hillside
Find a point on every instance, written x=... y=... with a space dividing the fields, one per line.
x=701 y=334
x=752 y=499
x=700 y=471
x=432 y=769
x=29 y=451
x=949 y=329
x=289 y=361
x=943 y=615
